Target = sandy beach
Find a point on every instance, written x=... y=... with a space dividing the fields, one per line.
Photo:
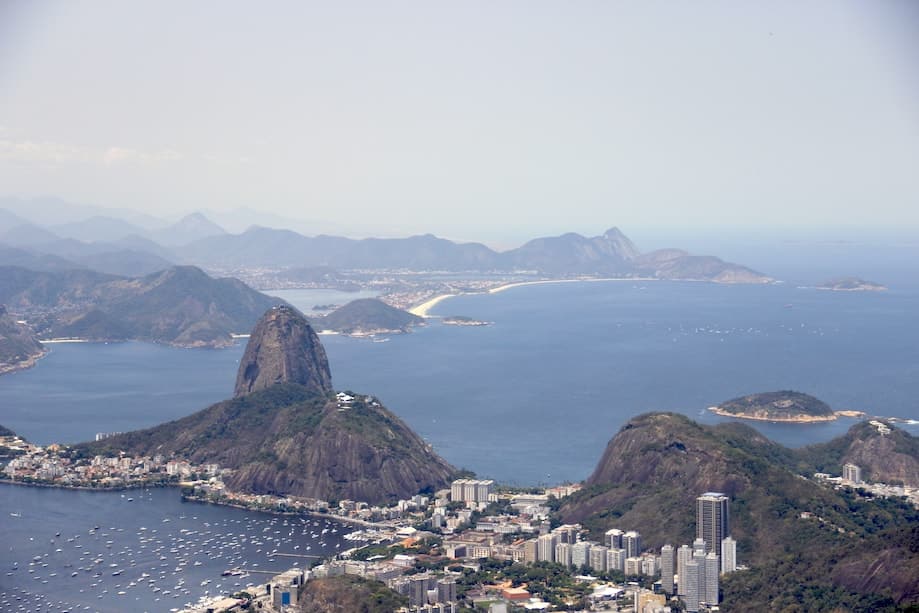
x=422 y=309
x=507 y=286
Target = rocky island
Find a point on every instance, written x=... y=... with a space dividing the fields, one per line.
x=783 y=406
x=851 y=284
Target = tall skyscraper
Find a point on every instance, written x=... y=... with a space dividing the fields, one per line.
x=667 y=561
x=690 y=577
x=728 y=555
x=712 y=566
x=683 y=555
x=712 y=519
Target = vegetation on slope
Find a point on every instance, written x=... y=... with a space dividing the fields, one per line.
x=287 y=439
x=779 y=406
x=366 y=315
x=180 y=306
x=802 y=539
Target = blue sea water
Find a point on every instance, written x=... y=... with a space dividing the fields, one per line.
x=535 y=397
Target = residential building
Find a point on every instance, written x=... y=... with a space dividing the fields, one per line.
x=852 y=473
x=598 y=558
x=712 y=566
x=690 y=577
x=667 y=562
x=545 y=547
x=580 y=554
x=631 y=542
x=728 y=555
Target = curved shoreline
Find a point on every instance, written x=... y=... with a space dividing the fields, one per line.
x=423 y=309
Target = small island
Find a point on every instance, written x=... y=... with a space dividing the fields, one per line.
x=851 y=284
x=460 y=320
x=366 y=317
x=783 y=406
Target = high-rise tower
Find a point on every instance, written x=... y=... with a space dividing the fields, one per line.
x=712 y=519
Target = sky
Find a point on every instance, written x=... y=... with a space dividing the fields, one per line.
x=474 y=120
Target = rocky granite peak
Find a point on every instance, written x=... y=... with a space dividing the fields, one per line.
x=283 y=348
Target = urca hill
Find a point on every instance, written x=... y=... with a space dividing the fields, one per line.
x=285 y=432
x=809 y=547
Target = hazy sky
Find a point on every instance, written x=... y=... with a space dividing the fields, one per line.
x=470 y=119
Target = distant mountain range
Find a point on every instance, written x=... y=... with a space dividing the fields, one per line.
x=567 y=255
x=104 y=241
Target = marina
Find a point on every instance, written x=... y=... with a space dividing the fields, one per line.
x=95 y=551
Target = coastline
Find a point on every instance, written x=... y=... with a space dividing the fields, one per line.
x=25 y=364
x=422 y=310
x=508 y=286
x=185 y=498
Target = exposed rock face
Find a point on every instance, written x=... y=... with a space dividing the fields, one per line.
x=283 y=348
